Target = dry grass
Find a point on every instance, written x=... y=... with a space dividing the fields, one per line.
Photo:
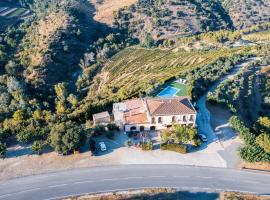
x=266 y=70
x=241 y=196
x=106 y=9
x=42 y=34
x=48 y=162
x=124 y=195
x=256 y=166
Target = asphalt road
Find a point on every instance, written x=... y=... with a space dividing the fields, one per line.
x=124 y=177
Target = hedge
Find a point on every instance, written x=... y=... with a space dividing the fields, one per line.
x=253 y=154
x=175 y=147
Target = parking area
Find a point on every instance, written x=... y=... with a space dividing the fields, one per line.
x=120 y=153
x=120 y=139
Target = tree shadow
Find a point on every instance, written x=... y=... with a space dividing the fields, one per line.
x=111 y=144
x=178 y=195
x=17 y=149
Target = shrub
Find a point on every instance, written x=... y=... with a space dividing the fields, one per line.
x=175 y=147
x=263 y=140
x=37 y=146
x=244 y=132
x=3 y=150
x=147 y=146
x=253 y=154
x=128 y=143
x=197 y=141
x=112 y=127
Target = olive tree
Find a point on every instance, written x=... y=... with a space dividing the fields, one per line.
x=66 y=137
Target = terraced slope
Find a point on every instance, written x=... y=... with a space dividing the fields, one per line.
x=135 y=71
x=11 y=14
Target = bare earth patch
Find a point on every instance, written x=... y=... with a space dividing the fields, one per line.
x=256 y=166
x=106 y=8
x=49 y=162
x=241 y=196
x=150 y=194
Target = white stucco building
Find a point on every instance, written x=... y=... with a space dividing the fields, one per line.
x=154 y=113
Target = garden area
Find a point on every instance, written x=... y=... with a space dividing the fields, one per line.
x=180 y=138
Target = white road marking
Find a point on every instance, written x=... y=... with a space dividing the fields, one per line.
x=5 y=195
x=225 y=179
x=24 y=191
x=135 y=177
x=20 y=192
x=86 y=181
x=60 y=185
x=155 y=177
x=252 y=182
x=108 y=179
x=204 y=177
x=182 y=176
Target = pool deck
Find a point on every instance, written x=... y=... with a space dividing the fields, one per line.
x=173 y=89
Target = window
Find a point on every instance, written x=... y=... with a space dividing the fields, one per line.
x=173 y=119
x=184 y=118
x=191 y=118
x=153 y=120
x=133 y=128
x=160 y=120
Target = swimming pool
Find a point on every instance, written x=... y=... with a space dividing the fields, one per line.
x=168 y=92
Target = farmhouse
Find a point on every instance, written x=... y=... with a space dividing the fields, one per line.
x=102 y=118
x=153 y=113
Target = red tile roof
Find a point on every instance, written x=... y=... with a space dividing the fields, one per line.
x=170 y=106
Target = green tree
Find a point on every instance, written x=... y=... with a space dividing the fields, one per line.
x=61 y=91
x=184 y=134
x=37 y=146
x=18 y=116
x=3 y=150
x=73 y=100
x=148 y=41
x=263 y=140
x=66 y=137
x=262 y=125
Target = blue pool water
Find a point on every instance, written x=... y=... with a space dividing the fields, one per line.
x=168 y=92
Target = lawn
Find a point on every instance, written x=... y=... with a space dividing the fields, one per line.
x=173 y=89
x=183 y=89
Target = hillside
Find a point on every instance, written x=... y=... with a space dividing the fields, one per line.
x=55 y=42
x=105 y=9
x=245 y=13
x=169 y=18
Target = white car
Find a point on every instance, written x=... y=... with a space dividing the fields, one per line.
x=102 y=146
x=203 y=137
